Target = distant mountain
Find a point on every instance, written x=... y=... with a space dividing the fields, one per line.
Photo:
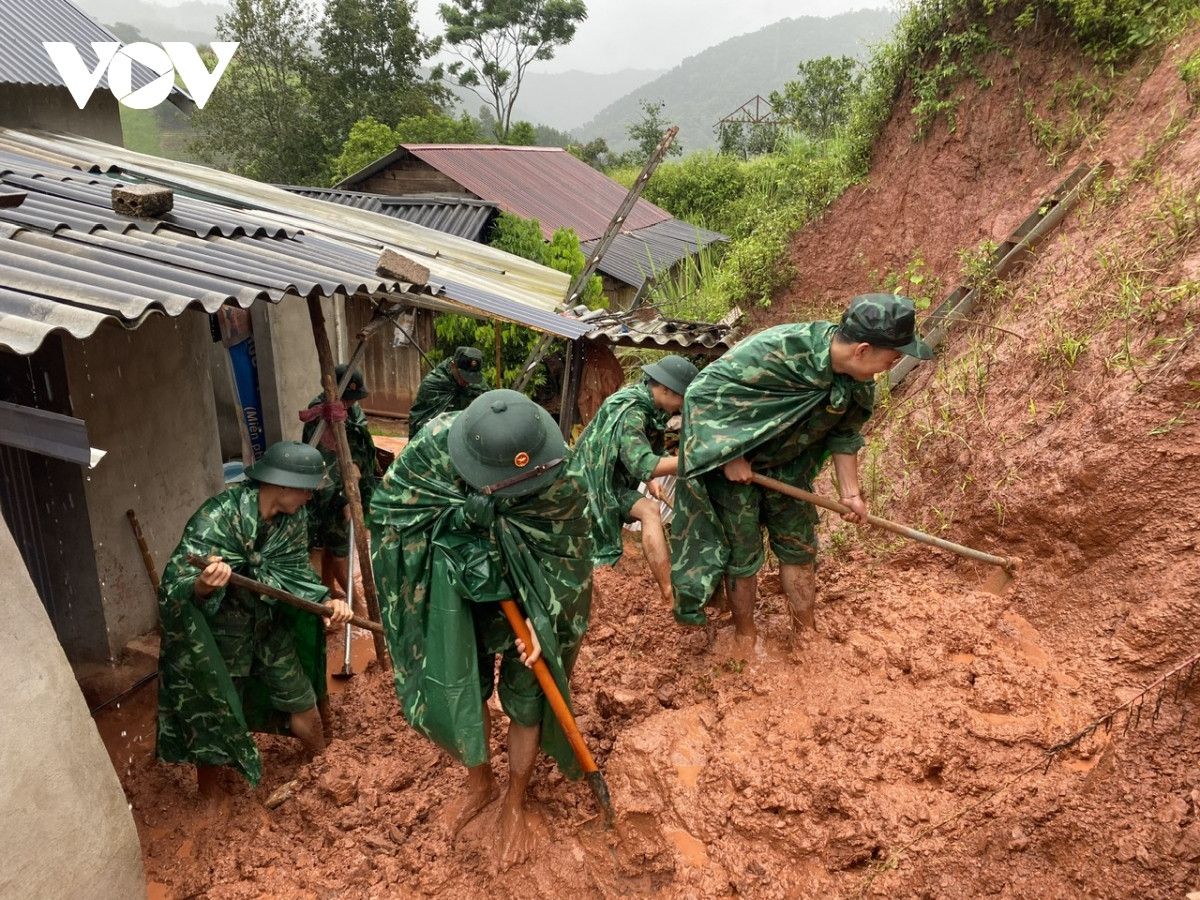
x=193 y=21
x=706 y=87
x=568 y=99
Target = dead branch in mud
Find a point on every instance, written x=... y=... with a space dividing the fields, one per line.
x=1180 y=681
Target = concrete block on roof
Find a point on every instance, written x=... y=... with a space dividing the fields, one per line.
x=392 y=265
x=146 y=201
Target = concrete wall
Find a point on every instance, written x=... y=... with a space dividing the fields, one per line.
x=147 y=398
x=52 y=108
x=289 y=373
x=69 y=832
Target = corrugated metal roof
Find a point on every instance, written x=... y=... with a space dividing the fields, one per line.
x=27 y=23
x=369 y=202
x=635 y=256
x=644 y=327
x=457 y=215
x=66 y=264
x=543 y=183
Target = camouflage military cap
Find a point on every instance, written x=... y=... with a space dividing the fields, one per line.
x=505 y=444
x=469 y=362
x=356 y=388
x=290 y=464
x=673 y=372
x=884 y=320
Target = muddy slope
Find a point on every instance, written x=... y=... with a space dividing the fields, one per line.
x=901 y=752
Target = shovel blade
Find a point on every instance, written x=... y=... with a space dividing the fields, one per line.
x=600 y=790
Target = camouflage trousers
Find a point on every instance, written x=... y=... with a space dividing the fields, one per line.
x=521 y=697
x=745 y=509
x=273 y=661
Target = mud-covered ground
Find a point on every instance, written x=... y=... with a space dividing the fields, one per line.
x=787 y=775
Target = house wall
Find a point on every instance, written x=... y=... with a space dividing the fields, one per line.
x=289 y=372
x=70 y=832
x=147 y=398
x=411 y=176
x=52 y=108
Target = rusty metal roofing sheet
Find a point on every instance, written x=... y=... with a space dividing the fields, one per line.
x=25 y=24
x=543 y=183
x=62 y=267
x=636 y=256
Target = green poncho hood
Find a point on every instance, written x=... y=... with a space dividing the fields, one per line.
x=436 y=546
x=753 y=398
x=200 y=718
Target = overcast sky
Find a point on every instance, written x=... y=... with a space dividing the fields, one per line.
x=658 y=34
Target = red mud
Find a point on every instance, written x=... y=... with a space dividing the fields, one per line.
x=901 y=752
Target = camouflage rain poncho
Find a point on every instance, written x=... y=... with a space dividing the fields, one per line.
x=439 y=392
x=431 y=563
x=618 y=450
x=200 y=717
x=327 y=521
x=776 y=400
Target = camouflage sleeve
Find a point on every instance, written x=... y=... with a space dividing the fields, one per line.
x=636 y=453
x=846 y=436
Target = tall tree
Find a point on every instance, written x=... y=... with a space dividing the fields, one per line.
x=819 y=100
x=497 y=40
x=259 y=121
x=647 y=132
x=371 y=52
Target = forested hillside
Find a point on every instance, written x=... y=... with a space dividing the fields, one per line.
x=703 y=88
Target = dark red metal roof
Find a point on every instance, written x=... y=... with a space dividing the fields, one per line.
x=543 y=183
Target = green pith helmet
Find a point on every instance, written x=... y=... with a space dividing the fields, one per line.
x=356 y=388
x=673 y=372
x=504 y=435
x=290 y=464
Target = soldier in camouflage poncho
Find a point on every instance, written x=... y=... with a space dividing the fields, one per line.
x=232 y=662
x=328 y=513
x=779 y=404
x=622 y=447
x=451 y=386
x=477 y=508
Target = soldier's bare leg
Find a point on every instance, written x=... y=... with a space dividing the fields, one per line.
x=308 y=728
x=516 y=835
x=654 y=544
x=742 y=595
x=481 y=788
x=800 y=587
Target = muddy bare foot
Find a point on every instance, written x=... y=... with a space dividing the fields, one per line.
x=744 y=644
x=517 y=838
x=461 y=811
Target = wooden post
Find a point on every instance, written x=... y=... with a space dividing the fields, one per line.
x=499 y=368
x=362 y=539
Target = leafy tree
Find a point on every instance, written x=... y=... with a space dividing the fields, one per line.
x=436 y=128
x=370 y=139
x=497 y=40
x=744 y=140
x=260 y=121
x=546 y=136
x=647 y=132
x=595 y=152
x=521 y=134
x=371 y=52
x=819 y=100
